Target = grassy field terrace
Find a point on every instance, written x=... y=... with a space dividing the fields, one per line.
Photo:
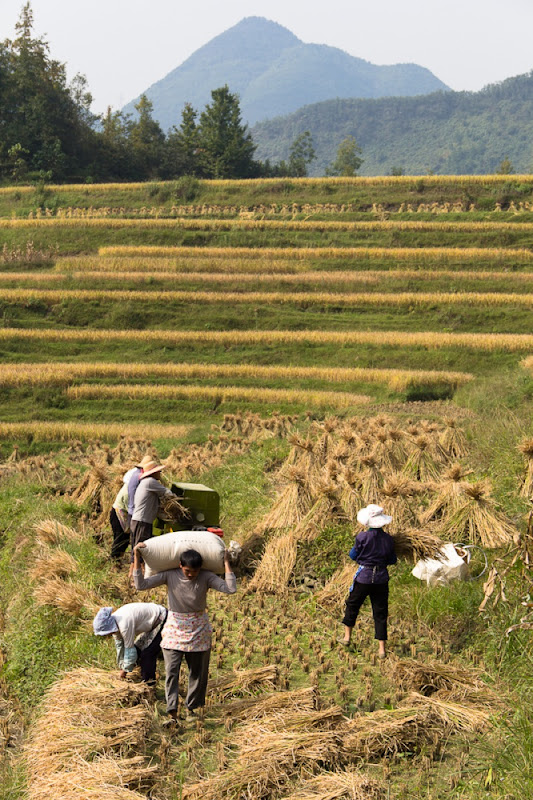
x=305 y=347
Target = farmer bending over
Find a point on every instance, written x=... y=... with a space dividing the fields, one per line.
x=136 y=629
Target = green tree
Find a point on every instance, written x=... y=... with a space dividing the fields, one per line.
x=505 y=168
x=348 y=159
x=301 y=154
x=146 y=139
x=182 y=146
x=226 y=148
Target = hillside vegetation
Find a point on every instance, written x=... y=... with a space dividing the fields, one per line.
x=304 y=347
x=443 y=132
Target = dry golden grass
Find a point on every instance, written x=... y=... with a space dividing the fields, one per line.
x=242 y=683
x=526 y=448
x=53 y=564
x=87 y=431
x=475 y=518
x=64 y=373
x=221 y=394
x=485 y=342
x=254 y=708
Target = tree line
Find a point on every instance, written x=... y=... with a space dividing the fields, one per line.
x=48 y=132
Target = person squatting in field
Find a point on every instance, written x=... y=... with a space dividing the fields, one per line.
x=187 y=631
x=136 y=629
x=374 y=551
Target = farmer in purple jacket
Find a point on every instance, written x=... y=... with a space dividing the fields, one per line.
x=373 y=550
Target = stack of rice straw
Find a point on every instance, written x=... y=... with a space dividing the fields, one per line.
x=412 y=472
x=89 y=740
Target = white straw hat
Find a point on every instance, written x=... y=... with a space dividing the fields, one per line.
x=373 y=517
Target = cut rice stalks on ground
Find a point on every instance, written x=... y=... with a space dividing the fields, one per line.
x=334 y=594
x=429 y=677
x=291 y=505
x=343 y=785
x=448 y=493
x=88 y=740
x=240 y=683
x=53 y=564
x=50 y=531
x=72 y=598
x=253 y=708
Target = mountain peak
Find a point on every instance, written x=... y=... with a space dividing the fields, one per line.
x=274 y=73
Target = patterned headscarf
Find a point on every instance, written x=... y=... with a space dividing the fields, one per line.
x=104 y=623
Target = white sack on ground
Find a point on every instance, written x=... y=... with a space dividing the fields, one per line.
x=163 y=552
x=451 y=567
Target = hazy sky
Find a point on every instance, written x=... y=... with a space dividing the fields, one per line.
x=123 y=46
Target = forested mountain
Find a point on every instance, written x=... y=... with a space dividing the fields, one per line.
x=274 y=73
x=444 y=132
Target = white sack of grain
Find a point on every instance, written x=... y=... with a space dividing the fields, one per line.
x=163 y=552
x=441 y=572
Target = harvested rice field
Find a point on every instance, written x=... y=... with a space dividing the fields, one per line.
x=343 y=343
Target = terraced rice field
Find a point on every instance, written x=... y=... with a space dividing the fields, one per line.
x=224 y=317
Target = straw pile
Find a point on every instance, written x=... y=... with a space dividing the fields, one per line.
x=335 y=592
x=477 y=519
x=97 y=489
x=254 y=708
x=452 y=439
x=526 y=448
x=429 y=677
x=89 y=739
x=70 y=597
x=292 y=504
x=53 y=564
x=243 y=682
x=271 y=750
x=415 y=543
x=344 y=785
x=50 y=531
x=276 y=566
x=171 y=510
x=448 y=493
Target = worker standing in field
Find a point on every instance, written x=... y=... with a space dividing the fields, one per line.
x=136 y=629
x=187 y=631
x=146 y=505
x=374 y=551
x=133 y=482
x=118 y=518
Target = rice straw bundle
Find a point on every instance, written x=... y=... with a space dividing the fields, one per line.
x=171 y=510
x=449 y=490
x=276 y=565
x=253 y=708
x=383 y=734
x=453 y=715
x=526 y=448
x=244 y=682
x=335 y=592
x=292 y=504
x=50 y=531
x=398 y=493
x=477 y=520
x=300 y=454
x=384 y=452
x=325 y=510
x=53 y=564
x=96 y=488
x=343 y=785
x=432 y=676
x=350 y=498
x=86 y=743
x=132 y=451
x=424 y=461
x=416 y=543
x=371 y=478
x=452 y=439
x=288 y=722
x=72 y=598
